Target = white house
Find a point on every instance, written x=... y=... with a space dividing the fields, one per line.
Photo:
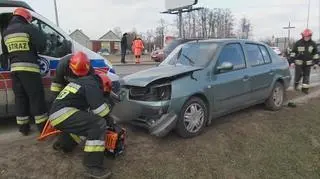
x=81 y=38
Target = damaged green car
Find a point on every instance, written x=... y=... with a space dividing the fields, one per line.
x=202 y=80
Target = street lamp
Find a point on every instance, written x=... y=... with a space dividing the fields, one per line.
x=56 y=12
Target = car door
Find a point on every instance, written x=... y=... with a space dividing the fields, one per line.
x=230 y=89
x=261 y=72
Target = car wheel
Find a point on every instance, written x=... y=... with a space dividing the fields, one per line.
x=276 y=98
x=192 y=118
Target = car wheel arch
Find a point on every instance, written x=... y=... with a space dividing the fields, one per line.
x=206 y=101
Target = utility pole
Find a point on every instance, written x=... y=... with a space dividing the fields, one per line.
x=56 y=12
x=308 y=14
x=289 y=27
x=180 y=23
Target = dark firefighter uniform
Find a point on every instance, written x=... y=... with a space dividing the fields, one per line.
x=70 y=114
x=23 y=42
x=304 y=55
x=63 y=74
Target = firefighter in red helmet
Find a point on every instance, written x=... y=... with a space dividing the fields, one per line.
x=304 y=55
x=69 y=114
x=69 y=67
x=23 y=42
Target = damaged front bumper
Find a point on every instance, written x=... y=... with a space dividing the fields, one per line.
x=151 y=115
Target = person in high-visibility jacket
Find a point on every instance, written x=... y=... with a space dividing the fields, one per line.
x=23 y=42
x=137 y=48
x=304 y=55
x=69 y=67
x=69 y=114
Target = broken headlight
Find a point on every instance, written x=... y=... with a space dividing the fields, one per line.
x=158 y=92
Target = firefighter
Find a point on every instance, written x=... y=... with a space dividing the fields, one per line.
x=23 y=42
x=70 y=66
x=69 y=114
x=304 y=55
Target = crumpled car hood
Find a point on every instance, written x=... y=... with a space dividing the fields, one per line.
x=143 y=78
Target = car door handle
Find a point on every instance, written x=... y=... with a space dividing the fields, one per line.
x=245 y=78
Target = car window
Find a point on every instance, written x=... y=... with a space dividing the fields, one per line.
x=54 y=39
x=254 y=54
x=265 y=54
x=232 y=53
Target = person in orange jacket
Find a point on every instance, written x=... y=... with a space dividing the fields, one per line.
x=137 y=48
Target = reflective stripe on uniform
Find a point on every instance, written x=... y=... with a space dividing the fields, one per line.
x=305 y=86
x=72 y=87
x=7 y=37
x=41 y=118
x=76 y=138
x=94 y=146
x=22 y=120
x=292 y=54
x=298 y=62
x=301 y=49
x=17 y=42
x=56 y=87
x=61 y=115
x=102 y=110
x=309 y=62
x=316 y=56
x=25 y=66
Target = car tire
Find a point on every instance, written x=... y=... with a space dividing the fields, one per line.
x=276 y=98
x=191 y=108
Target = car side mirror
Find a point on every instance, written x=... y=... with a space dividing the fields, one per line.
x=225 y=66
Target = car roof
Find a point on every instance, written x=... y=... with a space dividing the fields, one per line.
x=6 y=3
x=227 y=41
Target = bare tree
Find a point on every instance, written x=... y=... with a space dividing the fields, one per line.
x=117 y=31
x=245 y=28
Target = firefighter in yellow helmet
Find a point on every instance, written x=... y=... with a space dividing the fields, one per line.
x=304 y=55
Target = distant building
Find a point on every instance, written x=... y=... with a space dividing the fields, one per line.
x=81 y=38
x=109 y=41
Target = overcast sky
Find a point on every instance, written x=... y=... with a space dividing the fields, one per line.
x=96 y=17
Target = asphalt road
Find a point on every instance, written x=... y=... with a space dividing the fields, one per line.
x=123 y=70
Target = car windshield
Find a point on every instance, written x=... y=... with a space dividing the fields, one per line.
x=192 y=54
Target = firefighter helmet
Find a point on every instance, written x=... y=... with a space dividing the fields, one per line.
x=306 y=33
x=79 y=64
x=23 y=13
x=106 y=82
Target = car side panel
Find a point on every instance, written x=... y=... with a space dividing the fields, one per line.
x=261 y=78
x=183 y=88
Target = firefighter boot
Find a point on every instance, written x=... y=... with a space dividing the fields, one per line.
x=24 y=129
x=305 y=90
x=59 y=147
x=98 y=173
